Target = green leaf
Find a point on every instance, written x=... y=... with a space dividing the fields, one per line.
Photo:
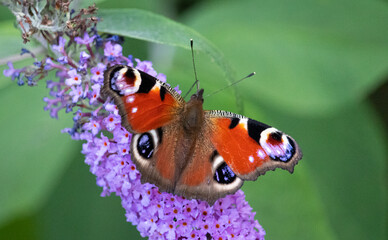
x=78 y=4
x=345 y=155
x=289 y=206
x=346 y=170
x=12 y=229
x=311 y=57
x=155 y=28
x=5 y=13
x=28 y=132
x=11 y=41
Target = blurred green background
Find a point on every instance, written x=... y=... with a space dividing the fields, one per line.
x=322 y=71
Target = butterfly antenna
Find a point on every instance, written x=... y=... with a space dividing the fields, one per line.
x=229 y=85
x=195 y=70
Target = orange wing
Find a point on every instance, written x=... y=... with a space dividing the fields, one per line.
x=144 y=102
x=251 y=148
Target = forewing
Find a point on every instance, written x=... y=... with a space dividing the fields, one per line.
x=144 y=102
x=250 y=148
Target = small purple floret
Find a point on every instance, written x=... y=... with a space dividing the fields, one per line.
x=61 y=45
x=63 y=60
x=74 y=78
x=112 y=50
x=85 y=40
x=98 y=73
x=76 y=92
x=11 y=72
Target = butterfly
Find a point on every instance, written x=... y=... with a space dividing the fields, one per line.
x=186 y=150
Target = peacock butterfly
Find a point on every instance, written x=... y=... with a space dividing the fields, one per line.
x=186 y=150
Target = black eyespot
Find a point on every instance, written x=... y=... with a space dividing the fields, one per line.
x=145 y=146
x=276 y=136
x=224 y=174
x=130 y=75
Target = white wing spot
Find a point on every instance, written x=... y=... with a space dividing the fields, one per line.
x=130 y=99
x=134 y=110
x=244 y=122
x=251 y=159
x=261 y=154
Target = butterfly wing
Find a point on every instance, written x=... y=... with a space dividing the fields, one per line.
x=149 y=109
x=230 y=149
x=144 y=102
x=251 y=148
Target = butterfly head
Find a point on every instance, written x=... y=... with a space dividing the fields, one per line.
x=197 y=97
